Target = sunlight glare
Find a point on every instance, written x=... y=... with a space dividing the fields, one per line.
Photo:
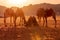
x=18 y=3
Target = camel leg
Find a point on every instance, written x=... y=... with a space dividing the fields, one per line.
x=5 y=22
x=43 y=21
x=40 y=19
x=55 y=20
x=24 y=21
x=14 y=21
x=10 y=21
x=20 y=21
x=46 y=21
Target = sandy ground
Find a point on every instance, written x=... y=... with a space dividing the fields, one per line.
x=36 y=32
x=50 y=21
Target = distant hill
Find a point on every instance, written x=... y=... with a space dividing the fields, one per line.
x=32 y=9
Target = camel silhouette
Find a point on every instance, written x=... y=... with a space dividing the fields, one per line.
x=40 y=13
x=20 y=13
x=8 y=13
x=45 y=14
x=32 y=21
x=15 y=13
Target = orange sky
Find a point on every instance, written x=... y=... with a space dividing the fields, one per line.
x=5 y=3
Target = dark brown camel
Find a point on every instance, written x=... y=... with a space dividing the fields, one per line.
x=40 y=13
x=45 y=14
x=50 y=12
x=32 y=21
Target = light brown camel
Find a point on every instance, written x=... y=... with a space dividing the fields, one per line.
x=8 y=13
x=45 y=14
x=19 y=13
x=14 y=12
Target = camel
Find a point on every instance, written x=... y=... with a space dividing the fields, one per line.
x=32 y=21
x=14 y=12
x=19 y=13
x=50 y=12
x=8 y=13
x=45 y=14
x=40 y=13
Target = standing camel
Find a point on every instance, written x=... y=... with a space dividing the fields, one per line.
x=50 y=12
x=45 y=14
x=8 y=13
x=19 y=13
x=40 y=13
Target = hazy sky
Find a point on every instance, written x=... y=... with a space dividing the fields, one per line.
x=4 y=2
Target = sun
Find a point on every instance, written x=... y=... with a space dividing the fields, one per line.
x=18 y=3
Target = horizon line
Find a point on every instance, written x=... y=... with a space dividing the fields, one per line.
x=32 y=4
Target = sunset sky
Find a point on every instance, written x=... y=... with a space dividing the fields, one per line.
x=21 y=3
